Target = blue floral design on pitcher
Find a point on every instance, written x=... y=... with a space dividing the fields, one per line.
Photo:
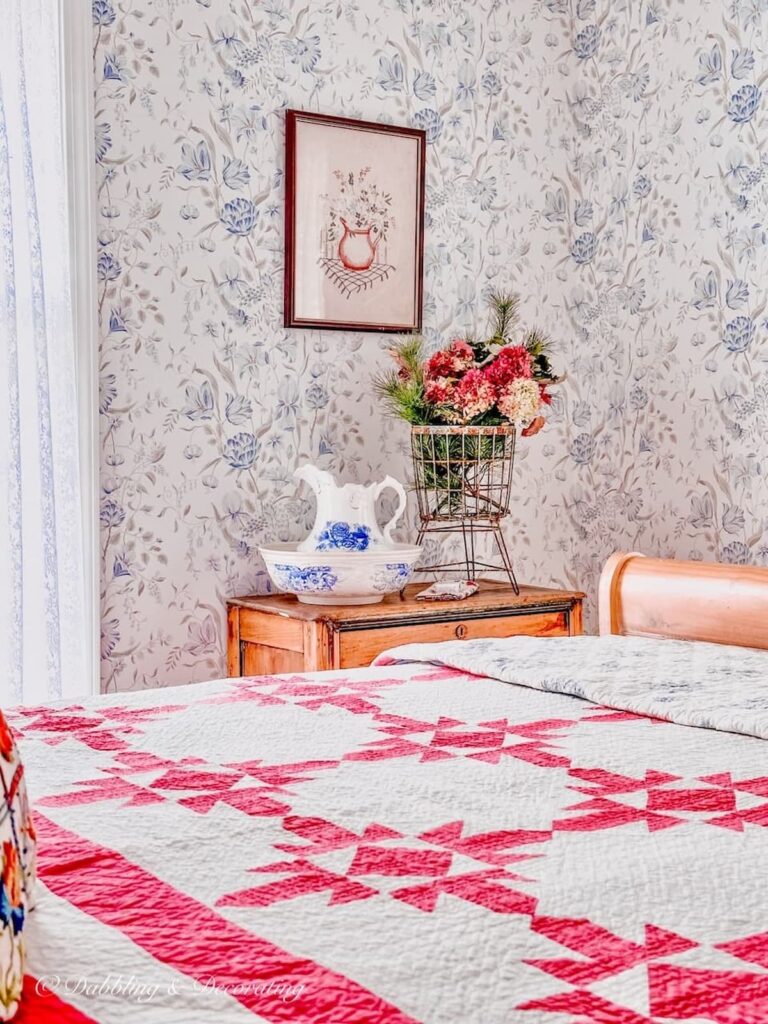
x=341 y=536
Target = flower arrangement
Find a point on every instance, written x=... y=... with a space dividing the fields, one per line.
x=466 y=404
x=472 y=383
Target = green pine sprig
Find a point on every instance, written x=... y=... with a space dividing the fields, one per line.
x=504 y=310
x=401 y=390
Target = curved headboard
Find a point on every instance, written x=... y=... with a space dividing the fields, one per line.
x=722 y=604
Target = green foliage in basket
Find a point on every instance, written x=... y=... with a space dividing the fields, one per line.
x=461 y=471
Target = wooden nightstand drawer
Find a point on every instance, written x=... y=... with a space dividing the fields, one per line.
x=279 y=634
x=358 y=647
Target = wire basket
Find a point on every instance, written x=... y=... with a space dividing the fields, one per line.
x=463 y=483
x=463 y=472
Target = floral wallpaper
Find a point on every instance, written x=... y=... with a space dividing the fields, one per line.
x=604 y=157
x=658 y=254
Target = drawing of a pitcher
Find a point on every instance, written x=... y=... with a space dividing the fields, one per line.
x=357 y=250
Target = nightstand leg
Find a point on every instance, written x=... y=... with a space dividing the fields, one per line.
x=234 y=654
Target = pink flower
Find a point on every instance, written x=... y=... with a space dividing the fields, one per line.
x=439 y=390
x=512 y=363
x=451 y=361
x=463 y=353
x=474 y=394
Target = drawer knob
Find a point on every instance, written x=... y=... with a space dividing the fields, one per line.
x=461 y=631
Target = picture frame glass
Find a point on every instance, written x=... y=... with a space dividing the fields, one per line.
x=356 y=216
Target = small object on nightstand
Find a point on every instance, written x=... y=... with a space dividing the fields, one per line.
x=453 y=590
x=277 y=633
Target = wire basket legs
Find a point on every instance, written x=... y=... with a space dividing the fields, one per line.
x=463 y=480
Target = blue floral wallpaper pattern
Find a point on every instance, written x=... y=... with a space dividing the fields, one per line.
x=603 y=156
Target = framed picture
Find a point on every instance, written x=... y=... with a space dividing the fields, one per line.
x=354 y=224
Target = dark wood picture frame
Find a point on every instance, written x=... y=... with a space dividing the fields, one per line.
x=292 y=286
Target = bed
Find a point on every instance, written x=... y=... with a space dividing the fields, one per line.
x=550 y=831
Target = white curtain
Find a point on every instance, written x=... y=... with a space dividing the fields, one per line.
x=46 y=623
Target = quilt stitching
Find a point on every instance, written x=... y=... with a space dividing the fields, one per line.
x=493 y=869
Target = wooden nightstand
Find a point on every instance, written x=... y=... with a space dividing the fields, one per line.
x=279 y=634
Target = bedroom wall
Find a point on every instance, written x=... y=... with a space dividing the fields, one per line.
x=604 y=158
x=657 y=242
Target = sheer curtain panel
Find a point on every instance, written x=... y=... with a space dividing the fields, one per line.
x=47 y=596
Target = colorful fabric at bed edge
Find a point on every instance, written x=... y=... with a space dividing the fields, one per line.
x=17 y=872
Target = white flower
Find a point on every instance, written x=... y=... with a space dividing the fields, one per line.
x=520 y=400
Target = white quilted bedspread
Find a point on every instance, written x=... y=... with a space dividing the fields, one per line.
x=412 y=842
x=707 y=685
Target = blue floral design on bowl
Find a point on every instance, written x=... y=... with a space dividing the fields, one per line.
x=340 y=536
x=312 y=578
x=393 y=576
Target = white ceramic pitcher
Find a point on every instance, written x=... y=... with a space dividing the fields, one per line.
x=346 y=515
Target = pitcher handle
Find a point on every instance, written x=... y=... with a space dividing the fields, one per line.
x=390 y=481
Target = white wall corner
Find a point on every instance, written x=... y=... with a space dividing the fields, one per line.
x=77 y=98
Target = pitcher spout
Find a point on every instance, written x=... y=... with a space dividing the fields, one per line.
x=318 y=479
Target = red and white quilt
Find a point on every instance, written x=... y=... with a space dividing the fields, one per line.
x=410 y=842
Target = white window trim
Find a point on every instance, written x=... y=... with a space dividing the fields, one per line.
x=77 y=99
